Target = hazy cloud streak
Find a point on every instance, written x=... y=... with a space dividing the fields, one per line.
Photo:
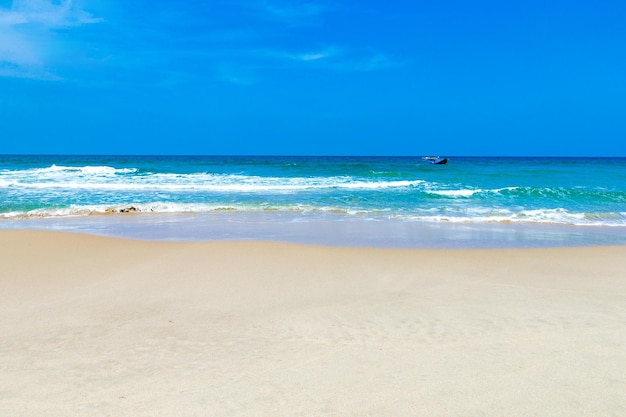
x=26 y=31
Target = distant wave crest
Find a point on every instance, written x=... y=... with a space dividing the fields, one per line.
x=109 y=178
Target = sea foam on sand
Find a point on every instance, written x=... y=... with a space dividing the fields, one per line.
x=102 y=326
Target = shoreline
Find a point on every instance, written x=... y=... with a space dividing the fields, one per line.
x=109 y=326
x=327 y=230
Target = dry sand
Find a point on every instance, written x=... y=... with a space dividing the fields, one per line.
x=93 y=326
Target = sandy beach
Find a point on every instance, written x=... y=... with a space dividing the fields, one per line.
x=95 y=326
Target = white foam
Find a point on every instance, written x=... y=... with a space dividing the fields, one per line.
x=88 y=169
x=447 y=215
x=454 y=193
x=490 y=215
x=468 y=192
x=107 y=178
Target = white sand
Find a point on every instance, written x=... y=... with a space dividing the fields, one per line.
x=92 y=326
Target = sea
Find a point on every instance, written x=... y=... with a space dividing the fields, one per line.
x=391 y=202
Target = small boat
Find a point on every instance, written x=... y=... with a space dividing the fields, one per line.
x=437 y=160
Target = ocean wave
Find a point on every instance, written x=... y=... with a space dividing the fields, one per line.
x=467 y=192
x=531 y=193
x=447 y=214
x=61 y=176
x=173 y=208
x=87 y=170
x=537 y=216
x=105 y=178
x=454 y=193
x=571 y=193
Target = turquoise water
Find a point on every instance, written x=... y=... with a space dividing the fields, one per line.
x=397 y=193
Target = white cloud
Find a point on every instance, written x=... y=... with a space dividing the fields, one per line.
x=15 y=48
x=312 y=57
x=26 y=30
x=285 y=56
x=345 y=60
x=328 y=53
x=51 y=14
x=251 y=71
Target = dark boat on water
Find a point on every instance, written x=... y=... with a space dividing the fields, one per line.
x=437 y=160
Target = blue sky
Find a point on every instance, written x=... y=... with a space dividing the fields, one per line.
x=313 y=77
